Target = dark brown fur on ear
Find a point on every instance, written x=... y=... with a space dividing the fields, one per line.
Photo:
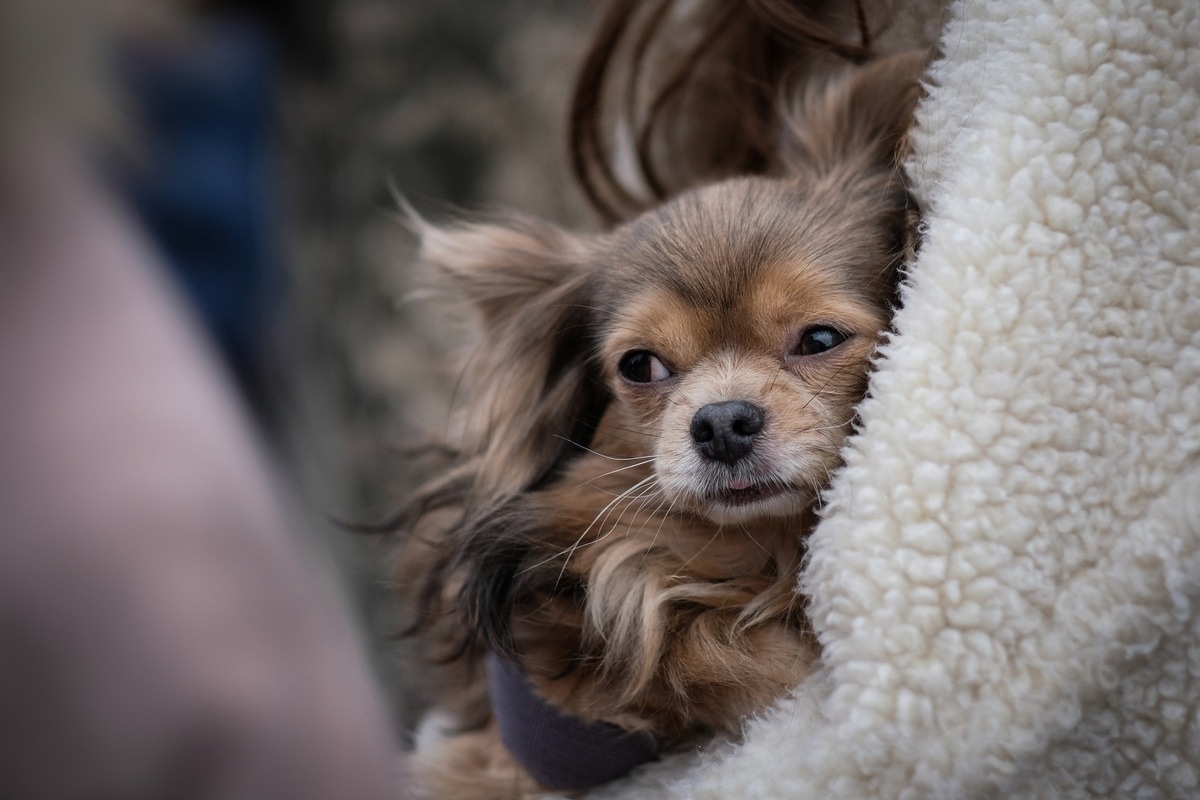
x=534 y=399
x=694 y=83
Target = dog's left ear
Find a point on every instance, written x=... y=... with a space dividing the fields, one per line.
x=846 y=141
x=534 y=396
x=855 y=125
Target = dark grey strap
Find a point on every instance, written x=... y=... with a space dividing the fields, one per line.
x=560 y=751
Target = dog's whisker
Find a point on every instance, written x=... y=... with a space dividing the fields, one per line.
x=576 y=546
x=759 y=544
x=650 y=491
x=591 y=481
x=654 y=538
x=838 y=372
x=641 y=433
x=720 y=531
x=649 y=494
x=833 y=427
x=586 y=307
x=625 y=495
x=603 y=455
x=607 y=509
x=774 y=378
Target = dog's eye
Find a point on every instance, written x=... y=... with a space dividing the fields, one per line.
x=642 y=366
x=818 y=340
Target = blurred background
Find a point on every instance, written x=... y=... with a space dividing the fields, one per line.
x=460 y=107
x=260 y=144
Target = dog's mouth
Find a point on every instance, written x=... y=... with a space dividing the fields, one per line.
x=744 y=492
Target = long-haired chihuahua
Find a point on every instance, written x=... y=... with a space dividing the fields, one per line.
x=607 y=569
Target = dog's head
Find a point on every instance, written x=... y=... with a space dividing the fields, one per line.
x=737 y=330
x=727 y=334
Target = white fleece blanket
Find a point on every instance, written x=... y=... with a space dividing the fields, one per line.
x=1007 y=584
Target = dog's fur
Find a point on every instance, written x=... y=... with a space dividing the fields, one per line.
x=581 y=530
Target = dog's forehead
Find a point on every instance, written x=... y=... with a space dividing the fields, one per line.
x=735 y=266
x=713 y=247
x=706 y=246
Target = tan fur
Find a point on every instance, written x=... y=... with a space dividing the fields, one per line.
x=581 y=531
x=472 y=765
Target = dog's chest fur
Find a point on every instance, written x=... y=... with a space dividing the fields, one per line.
x=648 y=619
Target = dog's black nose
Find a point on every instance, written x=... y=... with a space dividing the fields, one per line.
x=725 y=431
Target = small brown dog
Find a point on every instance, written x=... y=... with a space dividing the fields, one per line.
x=653 y=414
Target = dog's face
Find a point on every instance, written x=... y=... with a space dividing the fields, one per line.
x=736 y=331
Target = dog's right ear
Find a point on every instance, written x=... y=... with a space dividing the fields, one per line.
x=533 y=393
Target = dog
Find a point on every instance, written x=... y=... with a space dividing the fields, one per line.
x=652 y=415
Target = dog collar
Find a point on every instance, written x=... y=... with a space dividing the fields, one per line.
x=562 y=752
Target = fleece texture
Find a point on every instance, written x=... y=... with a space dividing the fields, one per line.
x=1007 y=581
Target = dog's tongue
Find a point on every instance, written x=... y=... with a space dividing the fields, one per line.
x=737 y=484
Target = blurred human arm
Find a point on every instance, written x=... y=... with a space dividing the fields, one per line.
x=161 y=634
